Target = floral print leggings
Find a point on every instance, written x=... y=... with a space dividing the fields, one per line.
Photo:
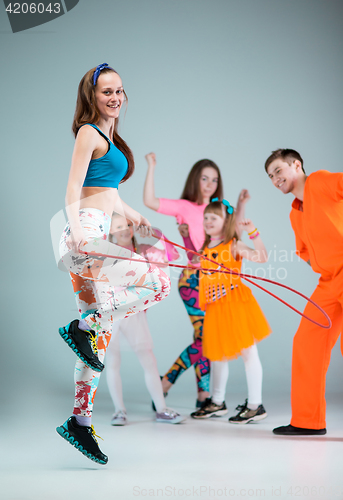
x=142 y=285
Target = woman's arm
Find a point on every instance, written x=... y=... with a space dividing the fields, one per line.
x=169 y=249
x=183 y=230
x=139 y=222
x=243 y=197
x=129 y=212
x=85 y=144
x=149 y=197
x=241 y=250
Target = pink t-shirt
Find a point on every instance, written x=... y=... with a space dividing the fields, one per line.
x=186 y=212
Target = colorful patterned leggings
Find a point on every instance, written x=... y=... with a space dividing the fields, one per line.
x=192 y=355
x=143 y=285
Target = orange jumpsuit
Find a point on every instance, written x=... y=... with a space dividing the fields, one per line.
x=318 y=226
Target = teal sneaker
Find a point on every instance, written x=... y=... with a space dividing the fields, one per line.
x=83 y=343
x=83 y=438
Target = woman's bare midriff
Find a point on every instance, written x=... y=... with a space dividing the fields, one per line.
x=102 y=198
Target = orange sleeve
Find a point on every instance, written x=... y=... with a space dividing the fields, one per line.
x=331 y=183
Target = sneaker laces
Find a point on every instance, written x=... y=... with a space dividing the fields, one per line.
x=120 y=413
x=94 y=435
x=242 y=407
x=93 y=340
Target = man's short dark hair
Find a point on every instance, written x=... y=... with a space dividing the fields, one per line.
x=288 y=155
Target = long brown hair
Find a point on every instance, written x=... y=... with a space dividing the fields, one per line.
x=229 y=229
x=87 y=112
x=191 y=190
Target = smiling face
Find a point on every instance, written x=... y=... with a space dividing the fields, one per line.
x=109 y=95
x=208 y=183
x=122 y=230
x=214 y=225
x=285 y=176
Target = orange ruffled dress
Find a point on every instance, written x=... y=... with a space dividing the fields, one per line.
x=233 y=321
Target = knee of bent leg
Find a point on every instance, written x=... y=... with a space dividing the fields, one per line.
x=163 y=283
x=167 y=286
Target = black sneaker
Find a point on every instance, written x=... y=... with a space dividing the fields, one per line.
x=83 y=438
x=210 y=409
x=201 y=404
x=246 y=415
x=290 y=430
x=83 y=343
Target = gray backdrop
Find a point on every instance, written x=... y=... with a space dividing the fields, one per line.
x=230 y=80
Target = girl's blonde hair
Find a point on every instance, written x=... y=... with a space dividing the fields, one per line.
x=229 y=229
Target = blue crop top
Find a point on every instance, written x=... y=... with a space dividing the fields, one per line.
x=108 y=170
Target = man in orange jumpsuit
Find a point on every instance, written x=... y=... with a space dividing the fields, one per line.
x=317 y=221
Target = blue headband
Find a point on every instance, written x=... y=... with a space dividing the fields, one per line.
x=229 y=208
x=97 y=71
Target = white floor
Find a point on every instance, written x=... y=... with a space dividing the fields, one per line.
x=198 y=459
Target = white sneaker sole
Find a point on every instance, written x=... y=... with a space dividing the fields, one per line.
x=252 y=419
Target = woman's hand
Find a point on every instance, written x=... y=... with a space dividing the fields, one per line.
x=247 y=225
x=76 y=239
x=183 y=230
x=143 y=226
x=151 y=159
x=244 y=196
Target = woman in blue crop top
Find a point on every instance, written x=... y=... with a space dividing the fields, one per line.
x=101 y=161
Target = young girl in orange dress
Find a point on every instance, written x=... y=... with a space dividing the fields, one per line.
x=234 y=322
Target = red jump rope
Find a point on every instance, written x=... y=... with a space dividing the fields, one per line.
x=226 y=270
